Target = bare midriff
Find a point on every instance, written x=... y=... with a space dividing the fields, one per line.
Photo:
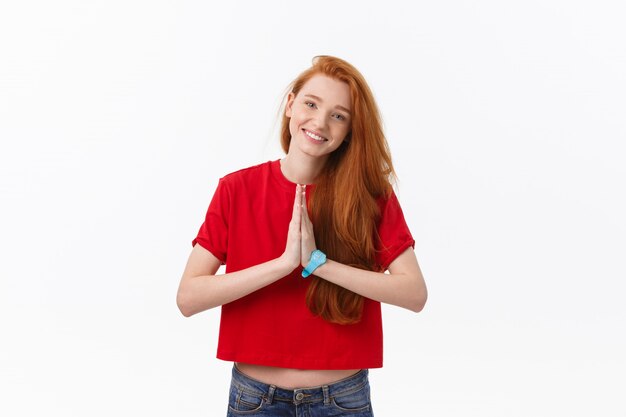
x=294 y=378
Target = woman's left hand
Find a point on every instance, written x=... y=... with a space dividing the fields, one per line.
x=306 y=231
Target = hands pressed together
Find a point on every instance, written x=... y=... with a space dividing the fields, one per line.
x=300 y=237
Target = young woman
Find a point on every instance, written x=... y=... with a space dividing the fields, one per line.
x=306 y=241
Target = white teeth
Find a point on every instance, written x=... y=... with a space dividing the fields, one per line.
x=314 y=136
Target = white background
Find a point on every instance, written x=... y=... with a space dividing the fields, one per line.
x=506 y=123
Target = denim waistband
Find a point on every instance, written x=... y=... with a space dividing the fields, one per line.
x=302 y=395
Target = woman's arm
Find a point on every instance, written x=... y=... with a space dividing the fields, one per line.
x=404 y=286
x=200 y=289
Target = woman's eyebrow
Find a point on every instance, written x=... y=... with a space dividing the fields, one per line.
x=320 y=100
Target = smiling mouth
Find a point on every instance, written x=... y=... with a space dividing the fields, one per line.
x=314 y=136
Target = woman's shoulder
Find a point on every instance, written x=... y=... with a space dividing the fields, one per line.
x=249 y=173
x=389 y=204
x=387 y=196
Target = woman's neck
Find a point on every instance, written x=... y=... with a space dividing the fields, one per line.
x=301 y=169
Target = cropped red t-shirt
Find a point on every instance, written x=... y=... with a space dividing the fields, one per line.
x=246 y=224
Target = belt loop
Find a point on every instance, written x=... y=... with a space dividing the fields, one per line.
x=270 y=394
x=326 y=395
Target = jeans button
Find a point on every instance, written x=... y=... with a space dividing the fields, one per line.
x=299 y=396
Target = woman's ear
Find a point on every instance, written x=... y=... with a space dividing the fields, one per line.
x=288 y=108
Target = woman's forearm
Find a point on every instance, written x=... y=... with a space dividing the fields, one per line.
x=404 y=289
x=200 y=293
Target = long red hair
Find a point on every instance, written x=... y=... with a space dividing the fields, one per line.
x=344 y=208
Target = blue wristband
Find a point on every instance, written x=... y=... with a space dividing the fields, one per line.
x=317 y=258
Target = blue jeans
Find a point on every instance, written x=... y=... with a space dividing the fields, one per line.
x=347 y=397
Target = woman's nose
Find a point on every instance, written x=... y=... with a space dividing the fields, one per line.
x=321 y=119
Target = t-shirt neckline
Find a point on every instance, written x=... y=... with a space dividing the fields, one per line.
x=282 y=180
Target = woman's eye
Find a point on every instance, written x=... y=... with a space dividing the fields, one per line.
x=339 y=117
x=309 y=104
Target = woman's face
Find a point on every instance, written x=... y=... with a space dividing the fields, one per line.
x=319 y=116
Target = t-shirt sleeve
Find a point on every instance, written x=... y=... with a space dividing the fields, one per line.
x=393 y=232
x=213 y=234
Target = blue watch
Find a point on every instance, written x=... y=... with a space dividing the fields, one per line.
x=317 y=258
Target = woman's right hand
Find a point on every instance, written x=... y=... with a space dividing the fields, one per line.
x=291 y=256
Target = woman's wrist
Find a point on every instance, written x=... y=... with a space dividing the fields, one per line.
x=316 y=259
x=285 y=264
x=306 y=256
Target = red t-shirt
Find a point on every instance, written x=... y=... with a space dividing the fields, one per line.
x=246 y=224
